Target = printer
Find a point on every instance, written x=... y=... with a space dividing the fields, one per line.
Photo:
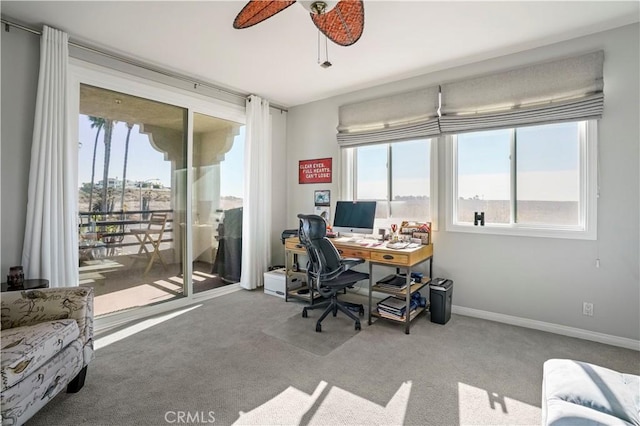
x=287 y=233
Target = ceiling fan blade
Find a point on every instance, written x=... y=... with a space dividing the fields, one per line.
x=257 y=11
x=344 y=23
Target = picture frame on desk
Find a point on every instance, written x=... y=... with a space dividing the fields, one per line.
x=322 y=197
x=15 y=279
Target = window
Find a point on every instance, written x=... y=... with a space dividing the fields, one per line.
x=538 y=181
x=399 y=177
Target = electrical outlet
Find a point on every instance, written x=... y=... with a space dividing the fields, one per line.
x=587 y=309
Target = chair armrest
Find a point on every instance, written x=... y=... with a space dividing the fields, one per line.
x=22 y=308
x=350 y=262
x=345 y=264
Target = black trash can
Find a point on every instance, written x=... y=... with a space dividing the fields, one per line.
x=440 y=295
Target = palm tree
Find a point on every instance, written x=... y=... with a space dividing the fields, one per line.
x=108 y=129
x=124 y=171
x=99 y=123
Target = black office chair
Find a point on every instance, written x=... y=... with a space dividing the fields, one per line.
x=326 y=271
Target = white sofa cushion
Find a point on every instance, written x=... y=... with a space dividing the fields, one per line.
x=25 y=349
x=576 y=392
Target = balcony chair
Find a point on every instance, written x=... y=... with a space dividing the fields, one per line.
x=326 y=271
x=152 y=235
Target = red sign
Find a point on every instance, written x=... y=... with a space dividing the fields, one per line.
x=315 y=171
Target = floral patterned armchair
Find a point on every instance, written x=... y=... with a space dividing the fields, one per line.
x=46 y=344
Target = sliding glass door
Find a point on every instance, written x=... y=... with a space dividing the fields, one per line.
x=159 y=197
x=217 y=194
x=130 y=154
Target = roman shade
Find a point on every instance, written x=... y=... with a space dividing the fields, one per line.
x=392 y=118
x=562 y=90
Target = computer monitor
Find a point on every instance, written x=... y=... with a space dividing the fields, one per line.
x=355 y=217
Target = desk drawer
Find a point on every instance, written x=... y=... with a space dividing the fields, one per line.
x=354 y=252
x=392 y=259
x=294 y=245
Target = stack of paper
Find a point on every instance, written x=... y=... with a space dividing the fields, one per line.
x=393 y=282
x=395 y=308
x=397 y=246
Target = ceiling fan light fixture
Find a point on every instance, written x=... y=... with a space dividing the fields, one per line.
x=318 y=7
x=341 y=21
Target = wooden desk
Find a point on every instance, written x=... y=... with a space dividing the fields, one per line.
x=405 y=259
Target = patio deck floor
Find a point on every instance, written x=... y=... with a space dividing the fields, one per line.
x=120 y=284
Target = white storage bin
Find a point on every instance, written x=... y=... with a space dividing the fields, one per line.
x=275 y=282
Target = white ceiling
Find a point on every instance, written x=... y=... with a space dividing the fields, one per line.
x=277 y=59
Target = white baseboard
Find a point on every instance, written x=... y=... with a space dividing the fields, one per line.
x=563 y=330
x=549 y=327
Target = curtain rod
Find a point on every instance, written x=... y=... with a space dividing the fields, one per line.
x=138 y=64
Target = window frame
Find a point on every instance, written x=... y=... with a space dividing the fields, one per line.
x=589 y=192
x=349 y=183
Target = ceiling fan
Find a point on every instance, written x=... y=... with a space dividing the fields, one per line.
x=341 y=21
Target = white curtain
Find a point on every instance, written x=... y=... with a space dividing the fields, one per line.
x=256 y=221
x=50 y=247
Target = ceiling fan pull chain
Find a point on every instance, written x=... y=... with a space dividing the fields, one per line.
x=326 y=49
x=326 y=63
x=318 y=47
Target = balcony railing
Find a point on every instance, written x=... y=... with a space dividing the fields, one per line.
x=111 y=229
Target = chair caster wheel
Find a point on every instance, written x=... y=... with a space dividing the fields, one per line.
x=318 y=328
x=335 y=314
x=361 y=312
x=358 y=327
x=304 y=313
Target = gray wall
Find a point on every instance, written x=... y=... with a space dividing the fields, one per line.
x=20 y=61
x=279 y=184
x=536 y=279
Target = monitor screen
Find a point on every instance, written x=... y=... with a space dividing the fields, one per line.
x=354 y=217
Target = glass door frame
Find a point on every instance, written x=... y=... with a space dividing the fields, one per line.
x=82 y=72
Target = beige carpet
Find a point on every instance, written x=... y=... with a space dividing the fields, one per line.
x=300 y=332
x=219 y=361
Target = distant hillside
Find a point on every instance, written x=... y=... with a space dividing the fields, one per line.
x=159 y=199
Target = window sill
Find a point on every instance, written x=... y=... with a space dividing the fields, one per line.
x=526 y=231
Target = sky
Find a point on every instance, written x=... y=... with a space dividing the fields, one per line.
x=411 y=167
x=144 y=162
x=548 y=161
x=547 y=167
